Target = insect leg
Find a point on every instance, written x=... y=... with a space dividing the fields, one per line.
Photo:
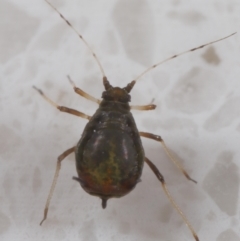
x=83 y=93
x=60 y=158
x=161 y=179
x=62 y=108
x=143 y=107
x=159 y=139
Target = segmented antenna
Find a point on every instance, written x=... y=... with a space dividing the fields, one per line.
x=182 y=53
x=80 y=36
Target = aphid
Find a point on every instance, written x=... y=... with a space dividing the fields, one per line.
x=109 y=155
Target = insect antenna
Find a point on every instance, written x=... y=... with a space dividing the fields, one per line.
x=182 y=53
x=82 y=38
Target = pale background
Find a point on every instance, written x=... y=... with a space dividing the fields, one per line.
x=198 y=115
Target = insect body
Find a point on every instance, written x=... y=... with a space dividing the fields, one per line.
x=109 y=155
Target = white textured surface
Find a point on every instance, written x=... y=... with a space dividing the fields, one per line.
x=198 y=115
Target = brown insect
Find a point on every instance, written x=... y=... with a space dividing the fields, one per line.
x=109 y=155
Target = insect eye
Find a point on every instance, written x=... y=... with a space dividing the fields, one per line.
x=126 y=98
x=104 y=94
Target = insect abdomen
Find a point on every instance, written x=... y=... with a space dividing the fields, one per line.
x=109 y=156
